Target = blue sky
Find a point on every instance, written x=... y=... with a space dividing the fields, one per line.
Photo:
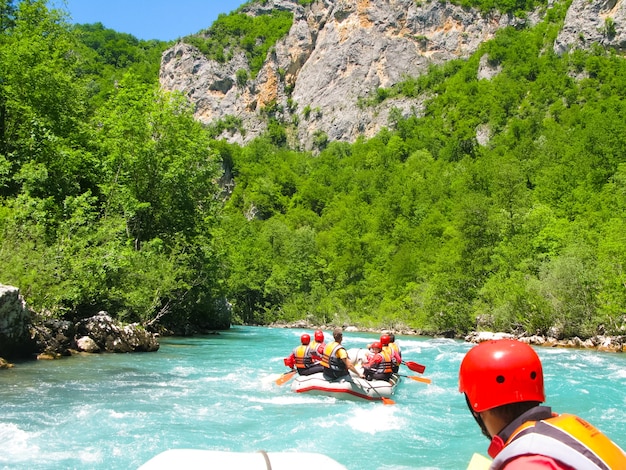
x=148 y=19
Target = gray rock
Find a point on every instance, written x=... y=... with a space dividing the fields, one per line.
x=111 y=336
x=15 y=317
x=336 y=54
x=53 y=336
x=87 y=344
x=593 y=22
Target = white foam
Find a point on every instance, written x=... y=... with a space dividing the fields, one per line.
x=16 y=444
x=376 y=419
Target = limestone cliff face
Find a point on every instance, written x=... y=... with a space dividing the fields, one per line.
x=593 y=22
x=340 y=51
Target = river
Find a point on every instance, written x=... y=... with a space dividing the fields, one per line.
x=116 y=411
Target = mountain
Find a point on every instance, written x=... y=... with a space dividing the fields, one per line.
x=337 y=54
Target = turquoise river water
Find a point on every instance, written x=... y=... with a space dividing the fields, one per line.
x=116 y=411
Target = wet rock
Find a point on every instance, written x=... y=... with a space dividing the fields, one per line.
x=4 y=364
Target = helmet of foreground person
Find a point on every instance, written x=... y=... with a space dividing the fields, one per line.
x=305 y=339
x=376 y=345
x=385 y=339
x=319 y=336
x=501 y=372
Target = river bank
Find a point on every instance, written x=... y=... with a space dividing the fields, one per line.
x=602 y=343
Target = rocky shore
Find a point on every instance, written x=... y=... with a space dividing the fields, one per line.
x=598 y=342
x=25 y=334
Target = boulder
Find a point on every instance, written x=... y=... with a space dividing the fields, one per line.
x=15 y=340
x=111 y=336
x=53 y=336
x=86 y=344
x=4 y=364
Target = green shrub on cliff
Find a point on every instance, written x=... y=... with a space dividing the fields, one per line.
x=255 y=36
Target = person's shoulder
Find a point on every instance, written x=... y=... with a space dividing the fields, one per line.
x=535 y=462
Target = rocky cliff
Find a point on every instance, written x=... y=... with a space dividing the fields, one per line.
x=340 y=51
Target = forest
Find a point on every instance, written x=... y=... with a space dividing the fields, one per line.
x=502 y=208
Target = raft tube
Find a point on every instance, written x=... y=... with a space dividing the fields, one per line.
x=196 y=459
x=347 y=387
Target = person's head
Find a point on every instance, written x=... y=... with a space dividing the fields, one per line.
x=376 y=347
x=501 y=379
x=338 y=334
x=392 y=338
x=384 y=339
x=319 y=336
x=305 y=339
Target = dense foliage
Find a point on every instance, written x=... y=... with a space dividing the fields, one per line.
x=109 y=55
x=108 y=192
x=426 y=227
x=504 y=205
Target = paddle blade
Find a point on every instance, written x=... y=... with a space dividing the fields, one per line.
x=285 y=377
x=419 y=379
x=415 y=367
x=388 y=401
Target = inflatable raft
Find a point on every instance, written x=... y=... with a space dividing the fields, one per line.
x=196 y=459
x=349 y=387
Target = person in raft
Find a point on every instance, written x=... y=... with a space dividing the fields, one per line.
x=379 y=364
x=335 y=358
x=395 y=351
x=317 y=346
x=503 y=385
x=385 y=341
x=301 y=358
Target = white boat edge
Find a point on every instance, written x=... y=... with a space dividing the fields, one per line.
x=195 y=459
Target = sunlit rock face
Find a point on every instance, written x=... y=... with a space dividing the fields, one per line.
x=337 y=54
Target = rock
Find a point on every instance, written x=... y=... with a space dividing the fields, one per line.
x=4 y=364
x=110 y=336
x=481 y=336
x=48 y=356
x=15 y=340
x=87 y=344
x=53 y=335
x=591 y=22
x=336 y=54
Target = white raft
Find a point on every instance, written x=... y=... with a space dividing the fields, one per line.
x=348 y=387
x=196 y=459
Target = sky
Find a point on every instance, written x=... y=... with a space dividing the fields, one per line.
x=148 y=19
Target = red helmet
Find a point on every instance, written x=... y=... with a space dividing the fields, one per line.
x=376 y=345
x=500 y=372
x=385 y=339
x=305 y=339
x=319 y=336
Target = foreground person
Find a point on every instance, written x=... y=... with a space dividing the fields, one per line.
x=335 y=359
x=503 y=385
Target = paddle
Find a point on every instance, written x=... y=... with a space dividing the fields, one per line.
x=285 y=377
x=414 y=366
x=386 y=401
x=417 y=379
